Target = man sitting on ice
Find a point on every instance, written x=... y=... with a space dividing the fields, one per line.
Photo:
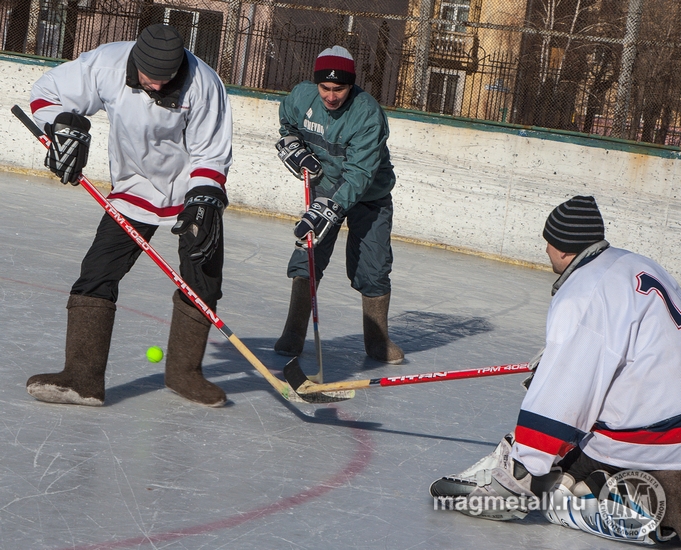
x=597 y=446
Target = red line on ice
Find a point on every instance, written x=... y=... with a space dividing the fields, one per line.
x=359 y=461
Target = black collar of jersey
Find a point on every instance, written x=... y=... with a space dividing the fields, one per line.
x=169 y=95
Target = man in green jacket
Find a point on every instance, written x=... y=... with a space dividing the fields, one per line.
x=338 y=132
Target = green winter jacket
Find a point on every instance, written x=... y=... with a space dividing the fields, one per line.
x=350 y=143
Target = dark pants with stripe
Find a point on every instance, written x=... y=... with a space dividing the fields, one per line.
x=113 y=253
x=368 y=254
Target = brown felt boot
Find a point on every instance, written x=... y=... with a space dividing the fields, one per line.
x=88 y=337
x=671 y=483
x=377 y=343
x=292 y=339
x=186 y=345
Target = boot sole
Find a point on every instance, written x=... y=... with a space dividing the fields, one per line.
x=215 y=405
x=387 y=361
x=287 y=353
x=57 y=394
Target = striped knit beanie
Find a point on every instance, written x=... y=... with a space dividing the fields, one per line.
x=159 y=52
x=334 y=65
x=574 y=225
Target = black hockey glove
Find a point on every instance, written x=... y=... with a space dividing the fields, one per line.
x=322 y=215
x=202 y=216
x=296 y=157
x=67 y=155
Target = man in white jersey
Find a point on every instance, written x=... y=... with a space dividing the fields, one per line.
x=604 y=398
x=170 y=147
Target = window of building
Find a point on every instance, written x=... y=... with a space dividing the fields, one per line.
x=457 y=12
x=445 y=91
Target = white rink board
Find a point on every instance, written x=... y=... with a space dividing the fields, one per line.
x=477 y=187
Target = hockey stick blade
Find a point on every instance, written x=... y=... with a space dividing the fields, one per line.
x=283 y=389
x=296 y=378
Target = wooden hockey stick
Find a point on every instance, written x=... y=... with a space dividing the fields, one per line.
x=303 y=386
x=319 y=377
x=283 y=389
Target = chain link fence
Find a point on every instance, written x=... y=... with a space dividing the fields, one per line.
x=606 y=67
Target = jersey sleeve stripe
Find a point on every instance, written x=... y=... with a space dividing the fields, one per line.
x=216 y=176
x=662 y=426
x=644 y=437
x=146 y=205
x=40 y=103
x=542 y=442
x=550 y=427
x=666 y=432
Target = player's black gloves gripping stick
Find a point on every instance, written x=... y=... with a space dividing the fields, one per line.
x=323 y=215
x=296 y=157
x=202 y=216
x=67 y=155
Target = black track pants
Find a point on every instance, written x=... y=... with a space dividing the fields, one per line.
x=113 y=253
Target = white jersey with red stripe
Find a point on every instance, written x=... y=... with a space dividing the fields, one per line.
x=156 y=154
x=610 y=377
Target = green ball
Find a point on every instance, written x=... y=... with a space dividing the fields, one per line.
x=154 y=354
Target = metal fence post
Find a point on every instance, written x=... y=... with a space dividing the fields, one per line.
x=421 y=54
x=627 y=68
x=229 y=46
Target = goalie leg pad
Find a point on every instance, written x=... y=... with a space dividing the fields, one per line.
x=616 y=517
x=496 y=487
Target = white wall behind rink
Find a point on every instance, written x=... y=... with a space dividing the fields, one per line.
x=475 y=187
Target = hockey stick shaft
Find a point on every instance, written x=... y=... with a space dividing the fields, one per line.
x=319 y=377
x=299 y=382
x=277 y=384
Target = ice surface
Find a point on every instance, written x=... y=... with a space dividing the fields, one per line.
x=151 y=470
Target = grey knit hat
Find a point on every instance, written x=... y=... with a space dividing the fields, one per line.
x=575 y=225
x=159 y=51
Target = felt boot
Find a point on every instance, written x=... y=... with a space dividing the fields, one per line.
x=292 y=339
x=377 y=343
x=88 y=337
x=186 y=345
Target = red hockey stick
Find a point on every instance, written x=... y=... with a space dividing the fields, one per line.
x=277 y=384
x=299 y=382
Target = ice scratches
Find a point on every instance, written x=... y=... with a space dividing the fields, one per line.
x=44 y=493
x=134 y=511
x=40 y=448
x=262 y=424
x=10 y=258
x=48 y=471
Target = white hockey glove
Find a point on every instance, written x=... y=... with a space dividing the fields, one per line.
x=320 y=218
x=496 y=487
x=294 y=155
